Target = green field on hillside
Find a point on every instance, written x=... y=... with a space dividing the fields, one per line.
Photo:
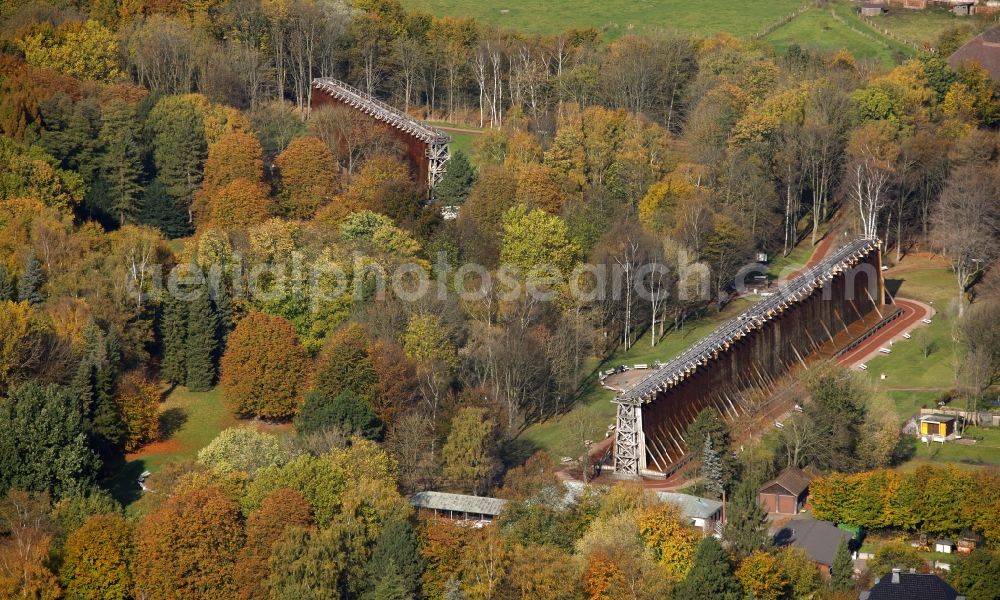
x=617 y=17
x=923 y=26
x=817 y=29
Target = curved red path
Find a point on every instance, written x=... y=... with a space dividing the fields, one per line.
x=913 y=314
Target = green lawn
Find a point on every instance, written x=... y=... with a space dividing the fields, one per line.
x=618 y=17
x=189 y=421
x=986 y=451
x=922 y=26
x=908 y=403
x=925 y=281
x=464 y=142
x=906 y=367
x=781 y=266
x=818 y=30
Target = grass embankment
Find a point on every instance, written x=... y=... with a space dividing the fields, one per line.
x=782 y=266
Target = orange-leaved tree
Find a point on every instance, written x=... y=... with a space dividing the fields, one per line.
x=442 y=546
x=309 y=176
x=603 y=576
x=283 y=509
x=542 y=573
x=188 y=548
x=239 y=204
x=265 y=369
x=236 y=155
x=377 y=172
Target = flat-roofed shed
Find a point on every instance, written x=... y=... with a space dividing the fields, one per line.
x=458 y=506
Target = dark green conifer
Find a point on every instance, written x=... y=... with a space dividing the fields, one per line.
x=179 y=150
x=458 y=179
x=94 y=386
x=85 y=379
x=29 y=285
x=107 y=426
x=395 y=566
x=159 y=209
x=121 y=161
x=842 y=569
x=201 y=343
x=222 y=299
x=173 y=334
x=746 y=523
x=711 y=576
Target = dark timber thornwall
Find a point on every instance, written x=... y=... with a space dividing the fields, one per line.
x=751 y=352
x=426 y=147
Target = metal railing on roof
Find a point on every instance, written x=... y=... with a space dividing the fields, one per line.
x=380 y=110
x=754 y=317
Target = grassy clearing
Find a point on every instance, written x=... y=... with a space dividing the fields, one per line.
x=908 y=403
x=780 y=266
x=818 y=30
x=906 y=367
x=188 y=422
x=464 y=142
x=463 y=137
x=986 y=450
x=618 y=17
x=594 y=408
x=921 y=26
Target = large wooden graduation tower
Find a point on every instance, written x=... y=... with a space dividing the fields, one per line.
x=747 y=354
x=426 y=146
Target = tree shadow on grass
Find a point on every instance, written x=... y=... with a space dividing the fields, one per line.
x=516 y=451
x=893 y=285
x=124 y=484
x=171 y=420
